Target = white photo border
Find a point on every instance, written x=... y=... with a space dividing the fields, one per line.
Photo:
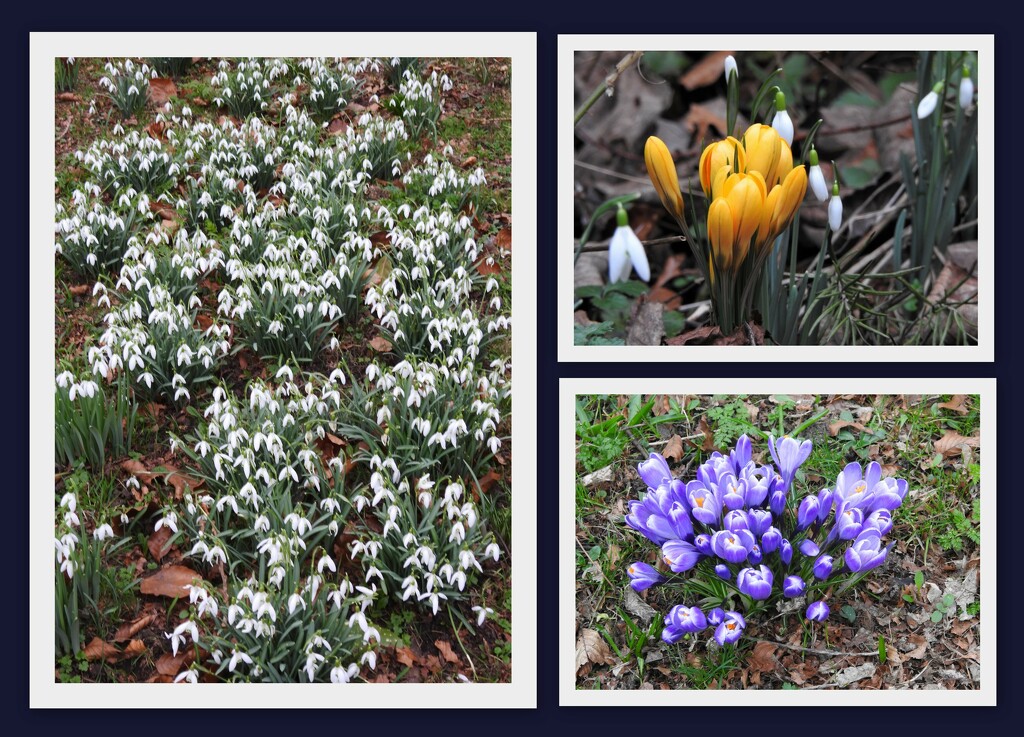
x=521 y=49
x=984 y=351
x=569 y=695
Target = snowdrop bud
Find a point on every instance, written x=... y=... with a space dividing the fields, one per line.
x=816 y=179
x=966 y=88
x=835 y=209
x=730 y=67
x=782 y=123
x=929 y=102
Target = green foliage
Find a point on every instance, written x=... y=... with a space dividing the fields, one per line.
x=960 y=528
x=729 y=421
x=127 y=86
x=171 y=66
x=598 y=333
x=92 y=422
x=708 y=671
x=65 y=74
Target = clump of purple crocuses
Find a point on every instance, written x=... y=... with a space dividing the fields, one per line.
x=745 y=525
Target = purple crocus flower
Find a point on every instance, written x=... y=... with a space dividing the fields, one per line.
x=731 y=628
x=740 y=456
x=723 y=572
x=818 y=611
x=785 y=552
x=823 y=567
x=789 y=454
x=777 y=496
x=737 y=519
x=755 y=555
x=855 y=488
x=770 y=540
x=755 y=582
x=826 y=497
x=680 y=555
x=661 y=515
x=866 y=552
x=848 y=524
x=733 y=492
x=703 y=503
x=688 y=619
x=809 y=548
x=643 y=576
x=880 y=519
x=759 y=484
x=715 y=616
x=732 y=545
x=887 y=494
x=654 y=471
x=793 y=587
x=759 y=520
x=807 y=514
x=703 y=544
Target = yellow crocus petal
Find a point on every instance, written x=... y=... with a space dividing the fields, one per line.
x=763 y=146
x=785 y=164
x=766 y=230
x=721 y=176
x=746 y=200
x=718 y=156
x=662 y=171
x=793 y=190
x=721 y=233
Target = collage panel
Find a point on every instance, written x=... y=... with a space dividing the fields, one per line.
x=282 y=344
x=757 y=198
x=777 y=542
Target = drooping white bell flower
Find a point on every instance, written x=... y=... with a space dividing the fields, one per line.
x=929 y=102
x=835 y=209
x=625 y=251
x=782 y=123
x=816 y=179
x=966 y=88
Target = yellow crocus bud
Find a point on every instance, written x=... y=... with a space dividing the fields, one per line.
x=662 y=171
x=782 y=203
x=745 y=194
x=721 y=233
x=763 y=148
x=718 y=156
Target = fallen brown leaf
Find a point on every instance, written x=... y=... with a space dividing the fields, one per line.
x=405 y=656
x=956 y=404
x=952 y=443
x=79 y=290
x=134 y=649
x=673 y=449
x=838 y=425
x=181 y=482
x=466 y=163
x=97 y=649
x=706 y=71
x=762 y=659
x=380 y=344
x=171 y=665
x=446 y=651
x=699 y=120
x=157 y=543
x=128 y=630
x=169 y=581
x=161 y=90
x=503 y=239
x=591 y=648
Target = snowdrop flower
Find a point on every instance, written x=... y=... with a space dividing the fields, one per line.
x=966 y=88
x=482 y=612
x=816 y=179
x=782 y=123
x=341 y=674
x=170 y=520
x=190 y=675
x=625 y=251
x=835 y=208
x=237 y=657
x=103 y=532
x=325 y=560
x=930 y=101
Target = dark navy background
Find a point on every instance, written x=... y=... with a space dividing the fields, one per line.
x=547 y=20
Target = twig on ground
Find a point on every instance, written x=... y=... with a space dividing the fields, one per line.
x=608 y=84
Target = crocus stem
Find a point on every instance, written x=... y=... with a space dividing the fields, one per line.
x=607 y=84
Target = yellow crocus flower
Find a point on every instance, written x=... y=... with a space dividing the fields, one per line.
x=763 y=147
x=662 y=171
x=721 y=234
x=718 y=156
